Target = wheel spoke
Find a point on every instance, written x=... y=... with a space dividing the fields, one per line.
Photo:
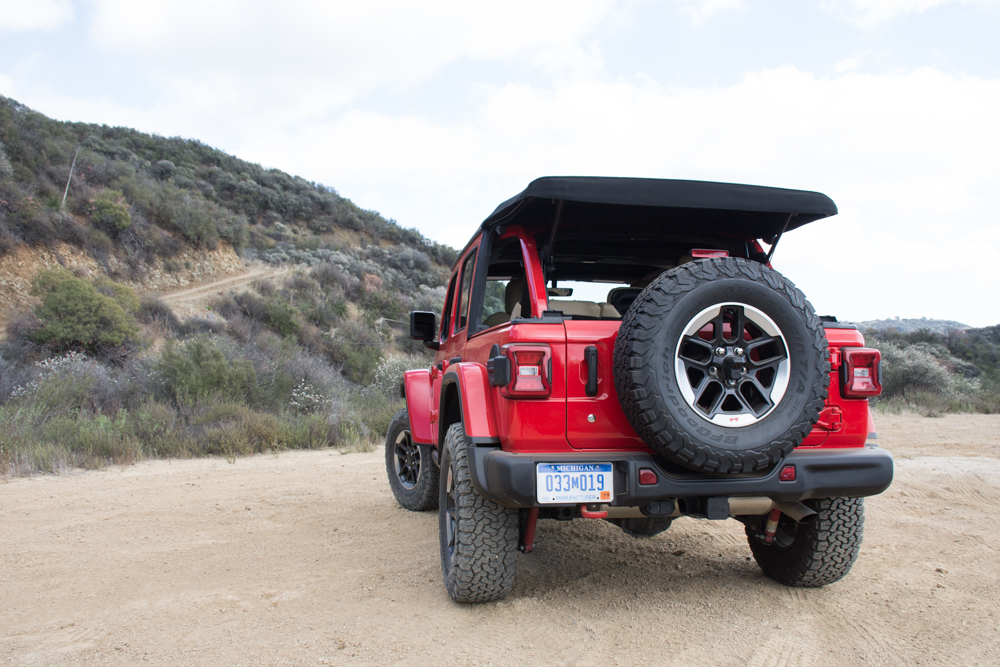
x=703 y=345
x=749 y=408
x=739 y=326
x=407 y=461
x=779 y=347
x=717 y=403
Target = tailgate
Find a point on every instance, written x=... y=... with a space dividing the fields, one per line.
x=595 y=421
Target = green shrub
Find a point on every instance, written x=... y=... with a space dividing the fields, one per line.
x=110 y=211
x=73 y=313
x=156 y=312
x=6 y=168
x=196 y=371
x=273 y=312
x=357 y=350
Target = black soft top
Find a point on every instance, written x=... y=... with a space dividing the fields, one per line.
x=700 y=207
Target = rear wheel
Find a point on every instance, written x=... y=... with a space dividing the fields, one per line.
x=413 y=476
x=813 y=554
x=478 y=537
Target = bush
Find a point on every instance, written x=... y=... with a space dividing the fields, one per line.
x=389 y=374
x=74 y=313
x=909 y=370
x=6 y=168
x=110 y=212
x=153 y=311
x=196 y=371
x=357 y=350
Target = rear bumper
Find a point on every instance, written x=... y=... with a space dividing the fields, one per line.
x=509 y=478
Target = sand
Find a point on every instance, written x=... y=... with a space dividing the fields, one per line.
x=305 y=559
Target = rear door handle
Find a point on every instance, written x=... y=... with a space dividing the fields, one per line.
x=590 y=355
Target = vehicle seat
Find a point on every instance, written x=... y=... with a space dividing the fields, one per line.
x=588 y=309
x=622 y=297
x=514 y=296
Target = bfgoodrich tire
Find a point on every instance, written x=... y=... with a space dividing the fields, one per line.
x=722 y=366
x=813 y=554
x=478 y=537
x=413 y=476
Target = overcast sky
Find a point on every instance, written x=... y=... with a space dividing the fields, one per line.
x=433 y=112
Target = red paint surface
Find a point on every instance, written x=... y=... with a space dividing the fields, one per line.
x=855 y=417
x=418 y=405
x=477 y=406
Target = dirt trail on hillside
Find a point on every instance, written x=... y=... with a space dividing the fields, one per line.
x=192 y=301
x=305 y=559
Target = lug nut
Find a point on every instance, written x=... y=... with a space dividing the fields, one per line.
x=712 y=370
x=743 y=371
x=721 y=351
x=738 y=352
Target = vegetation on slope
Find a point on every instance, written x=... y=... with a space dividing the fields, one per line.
x=95 y=374
x=935 y=373
x=287 y=368
x=145 y=198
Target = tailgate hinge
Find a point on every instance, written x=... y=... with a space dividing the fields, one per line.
x=834 y=358
x=831 y=419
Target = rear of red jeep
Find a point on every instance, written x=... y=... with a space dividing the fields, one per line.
x=692 y=380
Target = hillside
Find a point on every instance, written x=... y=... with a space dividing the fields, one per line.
x=912 y=325
x=137 y=200
x=283 y=318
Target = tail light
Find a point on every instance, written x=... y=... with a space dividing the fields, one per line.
x=860 y=372
x=531 y=372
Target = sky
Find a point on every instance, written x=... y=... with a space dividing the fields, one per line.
x=432 y=113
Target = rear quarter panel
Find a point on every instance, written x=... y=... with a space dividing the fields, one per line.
x=527 y=424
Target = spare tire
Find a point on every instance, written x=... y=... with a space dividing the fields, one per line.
x=722 y=366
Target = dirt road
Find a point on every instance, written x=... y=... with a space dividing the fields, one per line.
x=305 y=559
x=191 y=302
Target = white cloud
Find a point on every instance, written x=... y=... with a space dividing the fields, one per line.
x=315 y=56
x=314 y=90
x=30 y=15
x=870 y=13
x=910 y=160
x=700 y=11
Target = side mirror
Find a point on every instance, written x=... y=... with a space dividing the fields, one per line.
x=423 y=326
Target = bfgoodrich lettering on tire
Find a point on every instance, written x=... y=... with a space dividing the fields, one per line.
x=478 y=537
x=722 y=366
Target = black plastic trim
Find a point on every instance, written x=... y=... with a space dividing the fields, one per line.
x=509 y=478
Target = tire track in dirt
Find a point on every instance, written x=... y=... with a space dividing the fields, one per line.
x=226 y=284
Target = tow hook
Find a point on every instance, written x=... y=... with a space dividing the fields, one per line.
x=593 y=512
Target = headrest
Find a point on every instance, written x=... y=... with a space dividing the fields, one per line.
x=513 y=294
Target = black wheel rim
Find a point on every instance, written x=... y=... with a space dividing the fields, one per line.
x=450 y=518
x=406 y=456
x=732 y=365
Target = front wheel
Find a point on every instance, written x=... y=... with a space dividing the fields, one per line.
x=813 y=554
x=478 y=537
x=413 y=477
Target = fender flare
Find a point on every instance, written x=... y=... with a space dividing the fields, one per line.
x=468 y=382
x=417 y=393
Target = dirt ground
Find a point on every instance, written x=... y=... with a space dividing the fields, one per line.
x=305 y=559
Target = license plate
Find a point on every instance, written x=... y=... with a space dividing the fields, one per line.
x=566 y=483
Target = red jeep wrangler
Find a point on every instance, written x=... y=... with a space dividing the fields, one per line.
x=684 y=378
